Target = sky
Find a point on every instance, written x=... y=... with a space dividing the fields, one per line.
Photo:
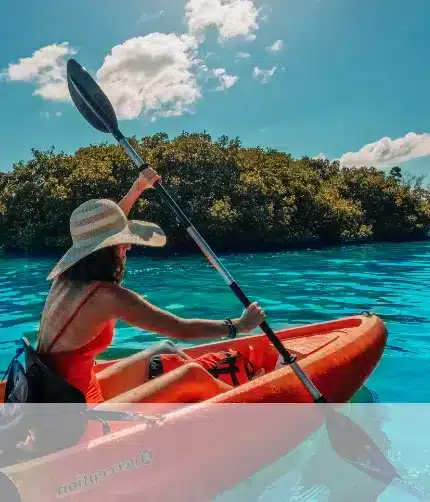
x=343 y=79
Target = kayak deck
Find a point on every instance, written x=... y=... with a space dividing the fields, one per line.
x=338 y=356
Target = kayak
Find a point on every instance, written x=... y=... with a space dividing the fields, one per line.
x=196 y=450
x=338 y=357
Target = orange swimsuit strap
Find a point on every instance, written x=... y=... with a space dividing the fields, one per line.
x=67 y=324
x=77 y=366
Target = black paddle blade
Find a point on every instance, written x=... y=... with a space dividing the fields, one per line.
x=89 y=99
x=355 y=446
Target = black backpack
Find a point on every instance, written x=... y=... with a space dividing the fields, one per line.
x=39 y=404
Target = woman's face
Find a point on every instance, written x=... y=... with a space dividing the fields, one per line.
x=122 y=251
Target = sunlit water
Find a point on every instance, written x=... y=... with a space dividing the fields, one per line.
x=295 y=288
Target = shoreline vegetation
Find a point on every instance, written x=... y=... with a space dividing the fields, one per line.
x=242 y=199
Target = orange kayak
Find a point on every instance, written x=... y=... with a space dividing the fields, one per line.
x=197 y=450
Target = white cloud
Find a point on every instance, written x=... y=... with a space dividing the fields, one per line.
x=157 y=75
x=389 y=153
x=226 y=81
x=145 y=17
x=152 y=74
x=320 y=156
x=48 y=115
x=265 y=17
x=46 y=68
x=233 y=18
x=263 y=75
x=276 y=47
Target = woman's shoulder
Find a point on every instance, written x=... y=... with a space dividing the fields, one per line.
x=105 y=297
x=114 y=289
x=117 y=296
x=66 y=291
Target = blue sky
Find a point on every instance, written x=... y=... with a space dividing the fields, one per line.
x=346 y=74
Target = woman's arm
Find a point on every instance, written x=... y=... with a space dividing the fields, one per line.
x=130 y=307
x=146 y=180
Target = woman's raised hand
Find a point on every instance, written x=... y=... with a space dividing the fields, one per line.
x=146 y=180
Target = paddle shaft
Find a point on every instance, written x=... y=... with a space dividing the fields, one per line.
x=210 y=255
x=117 y=134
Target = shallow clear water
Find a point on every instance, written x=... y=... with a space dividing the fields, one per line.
x=295 y=288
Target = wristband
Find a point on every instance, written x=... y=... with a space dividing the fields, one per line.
x=231 y=327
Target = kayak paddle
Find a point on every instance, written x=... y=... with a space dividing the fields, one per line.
x=96 y=108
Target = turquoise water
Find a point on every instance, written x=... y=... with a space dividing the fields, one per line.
x=295 y=288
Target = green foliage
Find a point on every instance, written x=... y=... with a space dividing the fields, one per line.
x=239 y=198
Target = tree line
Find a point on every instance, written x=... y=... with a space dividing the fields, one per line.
x=239 y=198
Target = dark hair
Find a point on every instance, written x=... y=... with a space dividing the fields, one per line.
x=102 y=265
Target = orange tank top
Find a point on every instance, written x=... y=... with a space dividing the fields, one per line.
x=77 y=366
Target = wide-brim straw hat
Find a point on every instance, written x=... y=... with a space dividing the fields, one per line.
x=100 y=223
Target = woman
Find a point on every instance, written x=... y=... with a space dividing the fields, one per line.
x=86 y=299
